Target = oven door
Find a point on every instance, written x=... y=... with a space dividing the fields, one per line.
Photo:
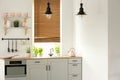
x=12 y=71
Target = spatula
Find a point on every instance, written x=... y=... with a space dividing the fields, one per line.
x=8 y=46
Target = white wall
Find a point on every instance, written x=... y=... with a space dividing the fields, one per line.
x=16 y=6
x=67 y=25
x=114 y=40
x=26 y=6
x=91 y=38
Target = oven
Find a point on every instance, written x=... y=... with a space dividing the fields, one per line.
x=15 y=69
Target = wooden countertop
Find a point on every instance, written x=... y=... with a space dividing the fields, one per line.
x=32 y=58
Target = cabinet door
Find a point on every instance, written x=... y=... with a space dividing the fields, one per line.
x=2 y=70
x=37 y=70
x=58 y=69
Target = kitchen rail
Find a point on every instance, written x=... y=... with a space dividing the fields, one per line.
x=15 y=38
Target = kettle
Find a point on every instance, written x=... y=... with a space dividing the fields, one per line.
x=71 y=52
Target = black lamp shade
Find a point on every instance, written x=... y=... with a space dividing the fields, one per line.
x=48 y=10
x=81 y=10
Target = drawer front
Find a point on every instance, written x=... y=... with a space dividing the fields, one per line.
x=75 y=77
x=36 y=62
x=75 y=60
x=75 y=68
x=15 y=79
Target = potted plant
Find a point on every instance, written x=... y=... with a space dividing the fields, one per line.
x=35 y=51
x=57 y=50
x=28 y=51
x=40 y=50
x=16 y=23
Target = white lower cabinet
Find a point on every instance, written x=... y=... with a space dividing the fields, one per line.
x=47 y=69
x=54 y=69
x=58 y=69
x=36 y=70
x=75 y=69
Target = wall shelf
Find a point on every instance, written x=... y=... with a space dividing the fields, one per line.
x=9 y=23
x=24 y=28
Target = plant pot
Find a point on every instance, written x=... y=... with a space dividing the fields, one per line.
x=27 y=55
x=16 y=23
x=58 y=54
x=39 y=55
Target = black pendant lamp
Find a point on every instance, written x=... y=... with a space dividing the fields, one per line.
x=48 y=12
x=81 y=9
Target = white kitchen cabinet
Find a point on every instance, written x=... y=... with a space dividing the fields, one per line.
x=58 y=69
x=2 y=70
x=48 y=69
x=75 y=69
x=36 y=70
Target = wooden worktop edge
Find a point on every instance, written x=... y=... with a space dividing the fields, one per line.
x=63 y=57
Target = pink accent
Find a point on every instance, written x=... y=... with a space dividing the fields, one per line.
x=71 y=52
x=12 y=14
x=5 y=14
x=26 y=14
x=24 y=24
x=18 y=14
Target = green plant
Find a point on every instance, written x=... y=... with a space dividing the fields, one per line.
x=35 y=51
x=40 y=50
x=16 y=23
x=57 y=49
x=28 y=50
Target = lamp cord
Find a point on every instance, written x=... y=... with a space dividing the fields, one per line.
x=81 y=1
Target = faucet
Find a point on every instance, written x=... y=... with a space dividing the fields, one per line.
x=51 y=52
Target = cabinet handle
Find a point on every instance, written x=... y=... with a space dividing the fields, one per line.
x=75 y=75
x=74 y=65
x=37 y=61
x=74 y=60
x=49 y=68
x=46 y=67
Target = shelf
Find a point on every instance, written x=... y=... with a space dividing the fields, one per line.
x=17 y=17
x=24 y=28
x=12 y=19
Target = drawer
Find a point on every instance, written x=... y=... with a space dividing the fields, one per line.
x=36 y=62
x=15 y=79
x=75 y=77
x=75 y=68
x=75 y=60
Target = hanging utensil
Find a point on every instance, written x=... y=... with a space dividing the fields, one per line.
x=8 y=46
x=16 y=46
x=12 y=46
